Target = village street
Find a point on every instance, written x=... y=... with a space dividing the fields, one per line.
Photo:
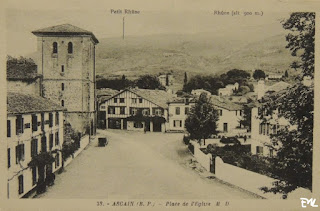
x=135 y=165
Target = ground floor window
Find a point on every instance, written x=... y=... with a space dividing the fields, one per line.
x=259 y=150
x=137 y=125
x=20 y=180
x=34 y=175
x=177 y=123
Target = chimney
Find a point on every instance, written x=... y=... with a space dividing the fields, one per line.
x=260 y=89
x=307 y=81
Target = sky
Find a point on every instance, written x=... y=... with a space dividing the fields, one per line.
x=170 y=17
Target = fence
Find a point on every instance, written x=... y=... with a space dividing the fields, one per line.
x=242 y=178
x=252 y=181
x=204 y=159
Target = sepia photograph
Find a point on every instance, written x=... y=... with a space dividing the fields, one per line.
x=160 y=107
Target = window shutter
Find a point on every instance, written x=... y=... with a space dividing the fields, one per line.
x=17 y=126
x=17 y=154
x=9 y=158
x=8 y=128
x=22 y=124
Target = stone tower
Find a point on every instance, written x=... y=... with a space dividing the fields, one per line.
x=66 y=60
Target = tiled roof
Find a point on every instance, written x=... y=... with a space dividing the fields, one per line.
x=224 y=103
x=158 y=97
x=64 y=29
x=18 y=103
x=22 y=72
x=106 y=92
x=182 y=100
x=278 y=86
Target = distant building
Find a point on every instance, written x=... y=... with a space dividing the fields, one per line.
x=66 y=60
x=34 y=125
x=137 y=109
x=198 y=92
x=166 y=79
x=228 y=90
x=274 y=77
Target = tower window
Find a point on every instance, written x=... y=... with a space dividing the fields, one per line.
x=55 y=47
x=62 y=68
x=62 y=86
x=70 y=47
x=62 y=102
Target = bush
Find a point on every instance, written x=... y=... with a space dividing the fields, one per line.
x=186 y=140
x=230 y=140
x=191 y=148
x=68 y=149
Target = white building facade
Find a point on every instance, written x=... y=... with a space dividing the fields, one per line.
x=138 y=110
x=32 y=128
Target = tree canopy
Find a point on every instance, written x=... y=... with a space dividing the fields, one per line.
x=149 y=82
x=214 y=83
x=258 y=74
x=301 y=40
x=143 y=82
x=202 y=119
x=294 y=145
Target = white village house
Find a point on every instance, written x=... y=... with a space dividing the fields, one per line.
x=262 y=129
x=137 y=109
x=34 y=125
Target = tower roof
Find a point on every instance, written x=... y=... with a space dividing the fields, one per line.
x=64 y=29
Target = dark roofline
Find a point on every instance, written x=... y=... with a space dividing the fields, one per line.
x=35 y=112
x=38 y=33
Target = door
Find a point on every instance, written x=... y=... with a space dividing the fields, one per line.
x=225 y=127
x=156 y=126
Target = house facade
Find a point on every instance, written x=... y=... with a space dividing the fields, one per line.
x=137 y=109
x=230 y=115
x=34 y=125
x=178 y=110
x=264 y=124
x=66 y=61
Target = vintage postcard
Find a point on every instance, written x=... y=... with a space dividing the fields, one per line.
x=160 y=104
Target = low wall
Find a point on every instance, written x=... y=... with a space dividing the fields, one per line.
x=252 y=181
x=83 y=143
x=202 y=158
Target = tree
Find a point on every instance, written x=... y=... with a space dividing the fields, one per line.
x=246 y=121
x=286 y=74
x=293 y=146
x=202 y=119
x=149 y=82
x=301 y=39
x=293 y=161
x=185 y=80
x=123 y=77
x=258 y=74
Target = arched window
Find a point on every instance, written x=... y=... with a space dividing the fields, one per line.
x=70 y=47
x=55 y=47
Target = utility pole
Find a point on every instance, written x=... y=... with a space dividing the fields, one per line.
x=123 y=29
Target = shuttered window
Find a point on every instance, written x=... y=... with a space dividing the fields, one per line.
x=34 y=123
